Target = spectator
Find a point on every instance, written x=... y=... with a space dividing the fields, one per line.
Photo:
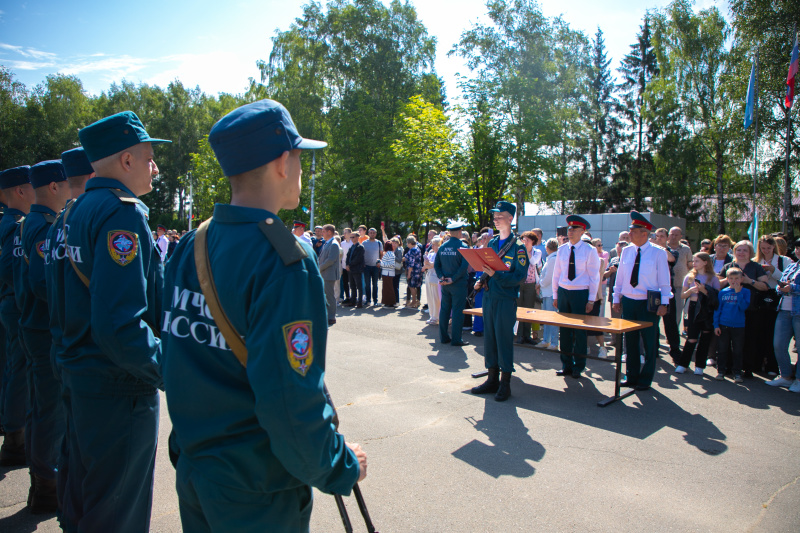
x=706 y=246
x=597 y=298
x=528 y=291
x=683 y=263
x=540 y=246
x=671 y=318
x=432 y=289
x=786 y=326
x=764 y=325
x=413 y=259
x=398 y=266
x=754 y=278
x=795 y=255
x=362 y=233
x=355 y=267
x=373 y=250
x=730 y=325
x=701 y=287
x=329 y=266
x=477 y=323
x=344 y=286
x=550 y=333
x=782 y=247
x=610 y=275
x=387 y=275
x=722 y=248
x=318 y=241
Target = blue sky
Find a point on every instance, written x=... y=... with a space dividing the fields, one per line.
x=216 y=44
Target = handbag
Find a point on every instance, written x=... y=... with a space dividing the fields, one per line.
x=767 y=300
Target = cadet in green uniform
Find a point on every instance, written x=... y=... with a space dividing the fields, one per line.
x=19 y=196
x=254 y=434
x=78 y=170
x=500 y=303
x=451 y=269
x=111 y=359
x=47 y=422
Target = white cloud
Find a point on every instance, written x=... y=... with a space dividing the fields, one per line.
x=213 y=72
x=27 y=65
x=28 y=52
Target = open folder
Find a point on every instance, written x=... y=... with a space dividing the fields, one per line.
x=480 y=257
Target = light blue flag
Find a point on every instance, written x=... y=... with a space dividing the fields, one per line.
x=752 y=231
x=750 y=108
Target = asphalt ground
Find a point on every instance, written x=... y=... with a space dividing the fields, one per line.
x=691 y=454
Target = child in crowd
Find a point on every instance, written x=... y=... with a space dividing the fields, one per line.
x=729 y=325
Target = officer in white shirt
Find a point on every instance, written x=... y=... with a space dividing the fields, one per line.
x=643 y=267
x=162 y=242
x=576 y=275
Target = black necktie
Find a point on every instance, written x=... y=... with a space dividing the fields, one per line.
x=571 y=271
x=635 y=271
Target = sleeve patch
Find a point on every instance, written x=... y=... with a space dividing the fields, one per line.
x=40 y=249
x=299 y=349
x=123 y=246
x=522 y=257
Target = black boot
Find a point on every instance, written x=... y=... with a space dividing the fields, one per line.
x=490 y=385
x=504 y=391
x=44 y=499
x=12 y=453
x=33 y=487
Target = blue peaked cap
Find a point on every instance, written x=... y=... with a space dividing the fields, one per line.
x=255 y=134
x=13 y=177
x=76 y=162
x=501 y=206
x=47 y=172
x=114 y=134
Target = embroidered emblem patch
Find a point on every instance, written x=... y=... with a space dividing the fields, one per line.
x=522 y=257
x=299 y=349
x=40 y=249
x=122 y=246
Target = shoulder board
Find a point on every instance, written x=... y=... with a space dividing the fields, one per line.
x=19 y=218
x=519 y=242
x=49 y=218
x=654 y=245
x=284 y=242
x=125 y=197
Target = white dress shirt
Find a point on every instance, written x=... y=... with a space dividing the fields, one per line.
x=587 y=269
x=653 y=273
x=546 y=278
x=346 y=244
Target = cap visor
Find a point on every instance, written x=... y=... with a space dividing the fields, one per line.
x=156 y=141
x=310 y=144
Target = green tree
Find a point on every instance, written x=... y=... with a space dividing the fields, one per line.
x=12 y=121
x=209 y=183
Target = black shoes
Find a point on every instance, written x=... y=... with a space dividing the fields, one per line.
x=504 y=390
x=478 y=334
x=491 y=384
x=460 y=343
x=44 y=499
x=12 y=453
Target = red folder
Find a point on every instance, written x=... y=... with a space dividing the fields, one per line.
x=480 y=257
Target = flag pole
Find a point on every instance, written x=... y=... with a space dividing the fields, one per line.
x=787 y=182
x=755 y=146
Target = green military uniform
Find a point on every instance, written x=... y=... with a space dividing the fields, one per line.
x=500 y=305
x=449 y=263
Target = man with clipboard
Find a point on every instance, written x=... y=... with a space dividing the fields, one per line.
x=500 y=302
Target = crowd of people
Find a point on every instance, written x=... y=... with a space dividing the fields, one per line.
x=704 y=325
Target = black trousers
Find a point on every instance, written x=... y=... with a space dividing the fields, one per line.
x=731 y=340
x=671 y=330
x=345 y=290
x=699 y=333
x=356 y=289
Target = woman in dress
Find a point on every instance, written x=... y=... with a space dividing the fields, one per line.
x=433 y=290
x=413 y=260
x=387 y=275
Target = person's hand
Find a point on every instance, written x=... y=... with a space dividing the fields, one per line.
x=746 y=280
x=717 y=332
x=769 y=268
x=489 y=271
x=699 y=287
x=555 y=304
x=785 y=289
x=589 y=307
x=670 y=257
x=612 y=269
x=361 y=455
x=347 y=268
x=477 y=285
x=662 y=310
x=616 y=308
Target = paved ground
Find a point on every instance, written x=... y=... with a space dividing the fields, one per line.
x=692 y=454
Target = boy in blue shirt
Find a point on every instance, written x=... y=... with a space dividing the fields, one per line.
x=729 y=325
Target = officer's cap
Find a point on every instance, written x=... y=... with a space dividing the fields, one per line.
x=255 y=134
x=76 y=163
x=114 y=134
x=13 y=177
x=638 y=221
x=575 y=220
x=47 y=172
x=455 y=226
x=501 y=206
x=299 y=223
